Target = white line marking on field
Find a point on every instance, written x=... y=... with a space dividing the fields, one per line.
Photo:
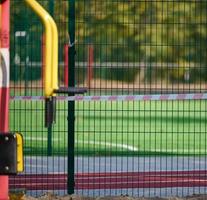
x=180 y=150
x=123 y=146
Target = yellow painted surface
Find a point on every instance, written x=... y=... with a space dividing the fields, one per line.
x=54 y=54
x=20 y=159
x=51 y=48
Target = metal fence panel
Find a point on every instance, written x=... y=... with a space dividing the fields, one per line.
x=141 y=128
x=147 y=50
x=45 y=149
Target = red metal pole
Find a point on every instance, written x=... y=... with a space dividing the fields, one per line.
x=90 y=64
x=43 y=59
x=66 y=61
x=4 y=84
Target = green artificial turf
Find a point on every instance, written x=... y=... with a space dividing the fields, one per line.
x=116 y=128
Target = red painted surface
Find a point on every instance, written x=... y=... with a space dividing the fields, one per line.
x=4 y=92
x=90 y=64
x=5 y=25
x=66 y=62
x=43 y=59
x=113 y=180
x=4 y=105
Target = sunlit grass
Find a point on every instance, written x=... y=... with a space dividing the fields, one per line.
x=116 y=128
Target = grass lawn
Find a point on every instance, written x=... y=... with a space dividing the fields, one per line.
x=117 y=128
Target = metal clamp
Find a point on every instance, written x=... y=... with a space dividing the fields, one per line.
x=11 y=153
x=50 y=103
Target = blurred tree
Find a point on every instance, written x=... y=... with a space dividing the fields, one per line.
x=131 y=30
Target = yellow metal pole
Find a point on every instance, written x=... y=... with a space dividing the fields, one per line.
x=54 y=54
x=51 y=50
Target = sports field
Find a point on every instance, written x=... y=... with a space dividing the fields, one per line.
x=117 y=128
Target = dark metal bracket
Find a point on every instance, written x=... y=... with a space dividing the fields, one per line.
x=50 y=103
x=71 y=91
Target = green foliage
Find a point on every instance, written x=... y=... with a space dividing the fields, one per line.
x=126 y=31
x=153 y=31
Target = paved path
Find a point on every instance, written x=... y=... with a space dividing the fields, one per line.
x=121 y=180
x=122 y=175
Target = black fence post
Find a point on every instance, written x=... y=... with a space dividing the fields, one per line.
x=49 y=130
x=71 y=104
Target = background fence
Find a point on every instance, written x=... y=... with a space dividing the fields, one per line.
x=122 y=144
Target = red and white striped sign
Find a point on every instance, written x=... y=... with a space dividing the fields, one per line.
x=156 y=97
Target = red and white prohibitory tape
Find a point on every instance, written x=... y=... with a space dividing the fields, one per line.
x=155 y=97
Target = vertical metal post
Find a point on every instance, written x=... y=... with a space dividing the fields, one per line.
x=49 y=130
x=4 y=83
x=51 y=7
x=26 y=50
x=66 y=60
x=71 y=104
x=90 y=64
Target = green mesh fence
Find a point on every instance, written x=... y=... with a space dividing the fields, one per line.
x=141 y=128
x=45 y=149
